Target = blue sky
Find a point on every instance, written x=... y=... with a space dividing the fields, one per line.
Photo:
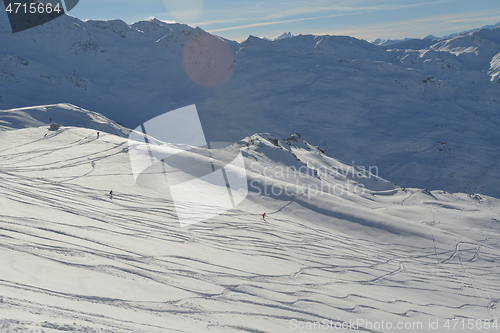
x=367 y=19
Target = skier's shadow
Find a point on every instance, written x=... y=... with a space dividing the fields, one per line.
x=279 y=210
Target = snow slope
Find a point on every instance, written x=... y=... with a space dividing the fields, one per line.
x=74 y=259
x=62 y=114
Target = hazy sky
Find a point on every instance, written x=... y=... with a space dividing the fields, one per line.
x=368 y=19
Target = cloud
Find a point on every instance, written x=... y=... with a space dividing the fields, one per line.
x=439 y=24
x=279 y=12
x=260 y=24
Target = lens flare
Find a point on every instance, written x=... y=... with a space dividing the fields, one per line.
x=207 y=59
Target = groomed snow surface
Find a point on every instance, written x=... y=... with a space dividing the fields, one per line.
x=72 y=258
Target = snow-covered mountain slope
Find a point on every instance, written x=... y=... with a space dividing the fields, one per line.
x=425 y=115
x=62 y=114
x=74 y=259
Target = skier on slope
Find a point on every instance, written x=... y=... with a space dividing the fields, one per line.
x=264 y=216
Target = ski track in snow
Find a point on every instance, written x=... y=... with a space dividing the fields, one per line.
x=73 y=259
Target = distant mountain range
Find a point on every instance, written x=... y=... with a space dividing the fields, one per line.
x=491 y=26
x=387 y=42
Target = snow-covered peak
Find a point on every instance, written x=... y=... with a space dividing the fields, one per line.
x=300 y=159
x=475 y=50
x=156 y=29
x=284 y=35
x=431 y=37
x=117 y=27
x=492 y=26
x=475 y=42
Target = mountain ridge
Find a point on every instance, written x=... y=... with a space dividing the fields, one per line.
x=387 y=42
